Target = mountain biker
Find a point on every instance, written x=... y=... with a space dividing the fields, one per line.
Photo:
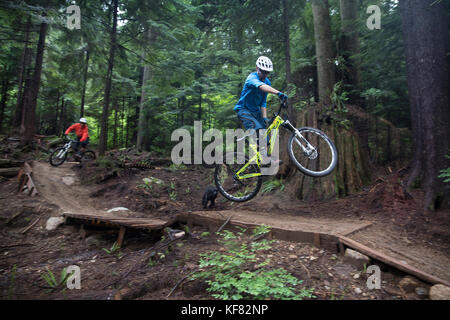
x=251 y=108
x=81 y=131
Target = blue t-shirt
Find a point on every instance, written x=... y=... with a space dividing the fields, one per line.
x=251 y=97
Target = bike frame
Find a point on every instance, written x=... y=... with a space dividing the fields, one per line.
x=277 y=122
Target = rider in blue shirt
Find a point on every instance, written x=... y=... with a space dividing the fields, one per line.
x=251 y=107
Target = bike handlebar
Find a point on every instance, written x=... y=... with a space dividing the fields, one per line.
x=283 y=104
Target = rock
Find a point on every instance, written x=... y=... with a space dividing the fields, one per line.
x=421 y=291
x=68 y=180
x=293 y=257
x=118 y=209
x=440 y=292
x=312 y=258
x=408 y=284
x=153 y=180
x=356 y=276
x=54 y=222
x=358 y=291
x=355 y=258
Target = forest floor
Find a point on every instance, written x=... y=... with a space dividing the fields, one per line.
x=127 y=273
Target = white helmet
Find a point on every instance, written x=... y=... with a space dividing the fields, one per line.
x=264 y=64
x=83 y=120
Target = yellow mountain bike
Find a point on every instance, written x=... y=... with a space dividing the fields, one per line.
x=239 y=178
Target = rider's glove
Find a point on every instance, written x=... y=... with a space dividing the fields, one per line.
x=282 y=96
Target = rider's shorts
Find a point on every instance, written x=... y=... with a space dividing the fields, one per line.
x=250 y=120
x=84 y=143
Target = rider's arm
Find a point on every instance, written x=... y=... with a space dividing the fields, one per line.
x=268 y=89
x=85 y=134
x=72 y=127
x=264 y=112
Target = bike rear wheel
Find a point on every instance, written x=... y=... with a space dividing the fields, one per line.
x=88 y=155
x=233 y=188
x=58 y=156
x=312 y=152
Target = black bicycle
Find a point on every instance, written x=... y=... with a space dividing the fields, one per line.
x=60 y=154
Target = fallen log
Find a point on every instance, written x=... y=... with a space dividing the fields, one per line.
x=9 y=172
x=8 y=163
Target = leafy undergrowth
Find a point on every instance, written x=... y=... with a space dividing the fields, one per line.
x=237 y=275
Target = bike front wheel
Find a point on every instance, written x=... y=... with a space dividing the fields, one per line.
x=312 y=152
x=58 y=156
x=232 y=187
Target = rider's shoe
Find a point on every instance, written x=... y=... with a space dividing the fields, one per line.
x=77 y=156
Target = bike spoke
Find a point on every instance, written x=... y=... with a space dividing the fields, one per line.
x=234 y=187
x=315 y=155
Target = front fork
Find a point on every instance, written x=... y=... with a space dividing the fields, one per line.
x=309 y=149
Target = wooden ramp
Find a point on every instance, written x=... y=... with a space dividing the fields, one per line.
x=117 y=221
x=334 y=235
x=320 y=232
x=113 y=220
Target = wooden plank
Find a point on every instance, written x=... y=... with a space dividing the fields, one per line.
x=391 y=261
x=30 y=226
x=121 y=236
x=139 y=223
x=9 y=172
x=326 y=241
x=317 y=240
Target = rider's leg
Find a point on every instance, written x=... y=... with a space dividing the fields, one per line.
x=256 y=122
x=84 y=145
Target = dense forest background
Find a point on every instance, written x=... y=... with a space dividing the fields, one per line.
x=137 y=70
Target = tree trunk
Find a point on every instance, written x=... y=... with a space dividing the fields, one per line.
x=61 y=118
x=129 y=118
x=116 y=122
x=31 y=101
x=103 y=140
x=145 y=77
x=85 y=77
x=122 y=124
x=16 y=120
x=350 y=174
x=287 y=48
x=200 y=105
x=324 y=50
x=350 y=47
x=5 y=88
x=425 y=27
x=287 y=55
x=55 y=121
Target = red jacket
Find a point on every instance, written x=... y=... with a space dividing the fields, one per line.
x=80 y=130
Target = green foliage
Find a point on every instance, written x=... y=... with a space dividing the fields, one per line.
x=445 y=173
x=50 y=278
x=228 y=274
x=175 y=167
x=12 y=282
x=271 y=185
x=198 y=54
x=114 y=250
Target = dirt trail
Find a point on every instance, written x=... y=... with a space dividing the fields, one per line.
x=60 y=186
x=421 y=255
